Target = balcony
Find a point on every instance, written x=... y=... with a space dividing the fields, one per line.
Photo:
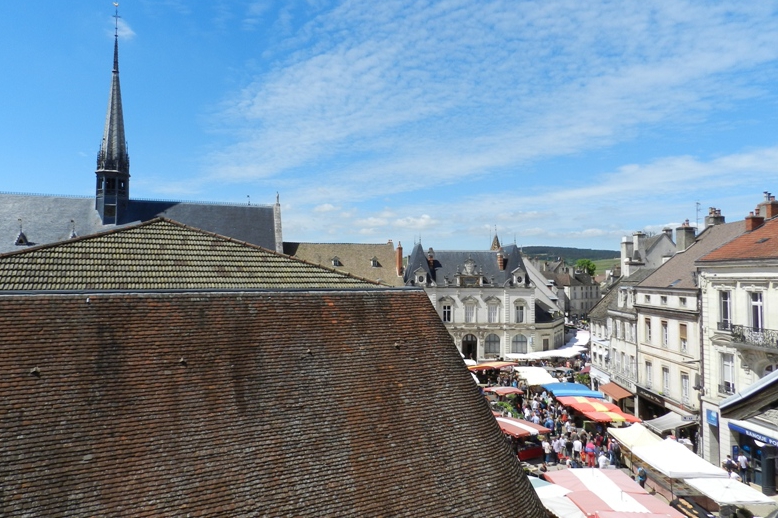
x=727 y=388
x=755 y=337
x=724 y=326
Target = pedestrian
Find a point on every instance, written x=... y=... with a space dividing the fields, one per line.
x=642 y=477
x=602 y=460
x=569 y=446
x=548 y=450
x=577 y=448
x=615 y=453
x=590 y=454
x=742 y=462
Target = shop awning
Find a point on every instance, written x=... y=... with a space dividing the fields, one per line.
x=615 y=391
x=503 y=391
x=670 y=421
x=534 y=375
x=634 y=435
x=597 y=410
x=756 y=431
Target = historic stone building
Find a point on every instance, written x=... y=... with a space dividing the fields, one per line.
x=492 y=302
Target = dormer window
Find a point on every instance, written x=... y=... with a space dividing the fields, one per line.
x=374 y=262
x=336 y=261
x=21 y=240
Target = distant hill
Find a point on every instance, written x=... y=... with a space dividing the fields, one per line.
x=570 y=255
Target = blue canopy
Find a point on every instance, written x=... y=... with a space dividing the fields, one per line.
x=572 y=389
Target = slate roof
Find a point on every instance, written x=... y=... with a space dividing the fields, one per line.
x=760 y=243
x=355 y=258
x=161 y=255
x=599 y=311
x=50 y=219
x=679 y=270
x=304 y=404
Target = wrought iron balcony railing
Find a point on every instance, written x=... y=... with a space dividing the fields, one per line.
x=726 y=388
x=755 y=336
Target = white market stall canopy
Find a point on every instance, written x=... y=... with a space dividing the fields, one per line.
x=674 y=460
x=634 y=436
x=564 y=352
x=534 y=375
x=725 y=491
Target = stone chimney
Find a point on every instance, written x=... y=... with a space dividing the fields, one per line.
x=714 y=217
x=753 y=221
x=769 y=207
x=684 y=236
x=626 y=254
x=431 y=258
x=398 y=258
x=668 y=232
x=639 y=246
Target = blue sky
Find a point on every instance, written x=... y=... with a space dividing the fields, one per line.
x=556 y=122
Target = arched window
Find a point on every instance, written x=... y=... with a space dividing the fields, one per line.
x=470 y=347
x=492 y=345
x=770 y=368
x=519 y=344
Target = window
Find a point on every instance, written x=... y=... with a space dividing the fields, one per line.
x=624 y=365
x=374 y=262
x=649 y=374
x=682 y=301
x=727 y=374
x=725 y=310
x=519 y=314
x=664 y=333
x=632 y=367
x=684 y=388
x=757 y=314
x=545 y=343
x=647 y=299
x=469 y=313
x=666 y=380
x=663 y=300
x=648 y=330
x=682 y=335
x=493 y=313
x=492 y=345
x=519 y=344
x=447 y=313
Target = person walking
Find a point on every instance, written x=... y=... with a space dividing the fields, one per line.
x=642 y=476
x=742 y=463
x=590 y=453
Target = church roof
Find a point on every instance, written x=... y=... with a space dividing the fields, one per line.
x=50 y=219
x=280 y=403
x=161 y=255
x=375 y=261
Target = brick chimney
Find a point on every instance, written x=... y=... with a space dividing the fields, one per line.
x=684 y=236
x=753 y=221
x=398 y=256
x=769 y=207
x=500 y=260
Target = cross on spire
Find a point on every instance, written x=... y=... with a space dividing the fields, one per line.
x=116 y=20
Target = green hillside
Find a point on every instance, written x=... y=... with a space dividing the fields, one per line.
x=570 y=255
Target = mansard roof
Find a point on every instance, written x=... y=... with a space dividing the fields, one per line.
x=161 y=255
x=355 y=258
x=50 y=219
x=679 y=271
x=758 y=244
x=449 y=263
x=276 y=403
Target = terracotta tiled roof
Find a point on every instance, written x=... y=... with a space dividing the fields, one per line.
x=761 y=243
x=161 y=255
x=355 y=258
x=323 y=403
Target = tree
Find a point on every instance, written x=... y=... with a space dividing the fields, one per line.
x=586 y=265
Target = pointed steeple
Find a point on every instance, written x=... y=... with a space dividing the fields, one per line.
x=113 y=161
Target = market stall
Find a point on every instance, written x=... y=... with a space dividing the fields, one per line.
x=534 y=375
x=597 y=410
x=675 y=461
x=727 y=491
x=526 y=435
x=562 y=389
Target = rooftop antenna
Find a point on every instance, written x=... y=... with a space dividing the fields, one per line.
x=697 y=221
x=248 y=198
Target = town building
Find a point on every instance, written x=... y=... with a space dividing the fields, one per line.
x=379 y=262
x=643 y=251
x=35 y=219
x=739 y=290
x=493 y=302
x=577 y=291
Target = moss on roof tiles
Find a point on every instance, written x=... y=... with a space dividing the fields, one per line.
x=159 y=255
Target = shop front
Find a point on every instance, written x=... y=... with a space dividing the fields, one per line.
x=759 y=445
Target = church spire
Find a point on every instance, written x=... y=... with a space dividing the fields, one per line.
x=113 y=161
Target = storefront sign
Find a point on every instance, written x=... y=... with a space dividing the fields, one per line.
x=754 y=435
x=712 y=417
x=654 y=398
